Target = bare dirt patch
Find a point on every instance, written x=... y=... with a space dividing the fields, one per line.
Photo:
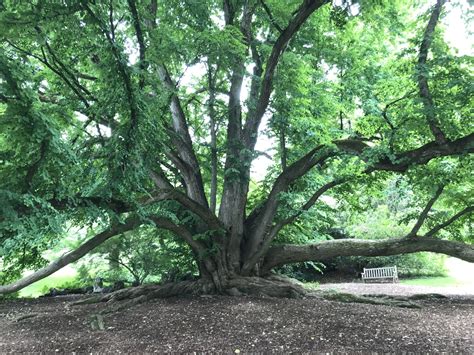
x=225 y=324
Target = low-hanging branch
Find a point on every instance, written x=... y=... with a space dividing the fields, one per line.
x=288 y=253
x=400 y=163
x=410 y=243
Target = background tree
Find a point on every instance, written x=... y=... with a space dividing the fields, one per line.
x=102 y=126
x=145 y=253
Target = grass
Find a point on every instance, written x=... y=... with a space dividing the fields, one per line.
x=38 y=288
x=311 y=285
x=438 y=281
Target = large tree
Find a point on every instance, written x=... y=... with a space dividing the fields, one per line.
x=120 y=114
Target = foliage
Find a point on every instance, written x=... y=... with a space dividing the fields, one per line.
x=387 y=218
x=142 y=254
x=306 y=272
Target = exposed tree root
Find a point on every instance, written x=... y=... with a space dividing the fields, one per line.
x=136 y=295
x=273 y=286
x=384 y=300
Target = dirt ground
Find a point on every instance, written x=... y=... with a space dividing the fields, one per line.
x=237 y=325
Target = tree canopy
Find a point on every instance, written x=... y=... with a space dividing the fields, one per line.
x=116 y=115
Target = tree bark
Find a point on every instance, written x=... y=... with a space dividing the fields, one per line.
x=213 y=125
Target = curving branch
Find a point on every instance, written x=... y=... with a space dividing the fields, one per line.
x=74 y=255
x=391 y=103
x=424 y=90
x=302 y=14
x=203 y=212
x=401 y=162
x=310 y=203
x=285 y=254
x=181 y=232
x=425 y=212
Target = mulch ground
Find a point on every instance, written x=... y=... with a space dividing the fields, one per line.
x=237 y=324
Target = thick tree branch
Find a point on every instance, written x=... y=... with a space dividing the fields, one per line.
x=259 y=219
x=302 y=14
x=140 y=39
x=190 y=169
x=211 y=82
x=237 y=164
x=285 y=254
x=185 y=159
x=229 y=12
x=425 y=212
x=425 y=94
x=401 y=162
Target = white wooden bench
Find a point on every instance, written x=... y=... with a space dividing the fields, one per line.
x=389 y=272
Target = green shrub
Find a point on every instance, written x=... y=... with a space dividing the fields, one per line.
x=306 y=271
